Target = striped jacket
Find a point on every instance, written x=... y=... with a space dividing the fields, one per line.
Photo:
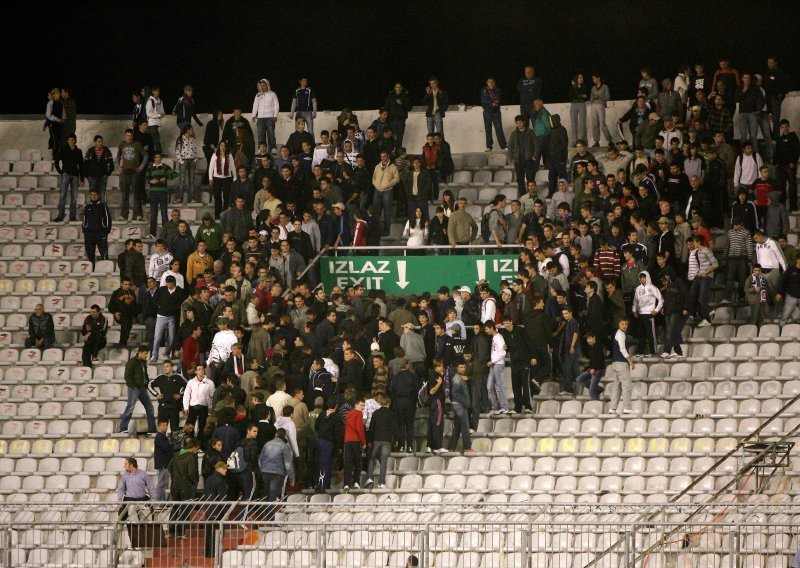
x=739 y=244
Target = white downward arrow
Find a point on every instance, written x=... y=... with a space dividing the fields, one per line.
x=481 y=270
x=401 y=274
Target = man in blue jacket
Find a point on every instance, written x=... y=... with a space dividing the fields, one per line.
x=529 y=88
x=490 y=101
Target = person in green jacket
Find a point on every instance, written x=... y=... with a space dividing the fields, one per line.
x=185 y=475
x=540 y=118
x=137 y=380
x=211 y=232
x=157 y=176
x=646 y=133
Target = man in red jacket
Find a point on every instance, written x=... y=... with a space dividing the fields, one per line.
x=355 y=440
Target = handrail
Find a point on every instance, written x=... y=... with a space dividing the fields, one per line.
x=700 y=507
x=415 y=247
x=289 y=290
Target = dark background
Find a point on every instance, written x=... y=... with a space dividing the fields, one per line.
x=353 y=51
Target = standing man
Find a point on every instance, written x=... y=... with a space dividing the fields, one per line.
x=304 y=105
x=168 y=388
x=751 y=101
x=529 y=88
x=787 y=152
x=770 y=258
x=275 y=463
x=381 y=433
x=265 y=114
x=598 y=101
x=124 y=309
x=137 y=381
x=789 y=291
x=135 y=485
x=69 y=163
x=162 y=455
x=131 y=158
x=185 y=474
x=93 y=331
x=167 y=300
x=540 y=119
x=776 y=84
x=215 y=488
x=496 y=365
x=702 y=265
x=436 y=102
x=398 y=103
x=98 y=164
x=490 y=100
x=384 y=178
x=522 y=147
x=355 y=442
x=157 y=176
x=197 y=399
x=155 y=115
x=619 y=371
x=96 y=226
x=184 y=109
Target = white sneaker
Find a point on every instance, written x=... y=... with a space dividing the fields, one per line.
x=527 y=411
x=346 y=489
x=494 y=412
x=703 y=323
x=382 y=486
x=368 y=483
x=428 y=449
x=665 y=355
x=439 y=451
x=471 y=430
x=724 y=302
x=356 y=486
x=629 y=411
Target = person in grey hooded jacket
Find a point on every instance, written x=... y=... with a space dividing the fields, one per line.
x=777 y=220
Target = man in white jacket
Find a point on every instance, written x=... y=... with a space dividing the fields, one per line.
x=155 y=114
x=496 y=364
x=647 y=303
x=745 y=171
x=265 y=113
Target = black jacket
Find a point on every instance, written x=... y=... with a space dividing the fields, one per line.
x=212 y=134
x=168 y=304
x=168 y=386
x=676 y=297
x=124 y=302
x=790 y=282
x=558 y=140
x=471 y=313
x=42 y=327
x=404 y=384
x=181 y=247
x=70 y=162
x=442 y=101
x=330 y=427
x=381 y=425
x=398 y=111
x=787 y=149
x=96 y=218
x=162 y=452
x=185 y=111
x=94 y=167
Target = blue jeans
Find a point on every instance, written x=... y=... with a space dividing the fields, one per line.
x=497 y=393
x=748 y=129
x=789 y=304
x=308 y=116
x=71 y=183
x=98 y=183
x=699 y=291
x=266 y=131
x=163 y=324
x=672 y=335
x=142 y=396
x=555 y=169
x=161 y=486
x=187 y=173
x=158 y=201
x=380 y=451
x=592 y=382
x=383 y=201
x=273 y=485
x=460 y=427
x=570 y=369
x=494 y=118
x=435 y=124
x=544 y=149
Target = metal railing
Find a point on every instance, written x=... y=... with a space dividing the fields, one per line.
x=385 y=534
x=442 y=249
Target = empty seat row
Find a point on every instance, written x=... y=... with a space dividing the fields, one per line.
x=67 y=447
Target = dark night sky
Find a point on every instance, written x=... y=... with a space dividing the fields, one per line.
x=353 y=51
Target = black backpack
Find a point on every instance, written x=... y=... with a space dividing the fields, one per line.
x=486 y=232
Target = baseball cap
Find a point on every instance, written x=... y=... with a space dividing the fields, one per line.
x=663 y=220
x=263 y=232
x=339 y=205
x=456 y=328
x=466 y=289
x=653 y=116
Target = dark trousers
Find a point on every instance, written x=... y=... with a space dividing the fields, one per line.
x=699 y=290
x=544 y=148
x=158 y=202
x=521 y=385
x=399 y=129
x=570 y=370
x=352 y=462
x=460 y=428
x=325 y=461
x=91 y=348
x=198 y=414
x=494 y=118
x=180 y=512
x=30 y=342
x=222 y=194
x=92 y=241
x=478 y=398
x=126 y=323
x=435 y=424
x=247 y=483
x=525 y=173
x=556 y=170
x=541 y=370
x=648 y=334
x=784 y=174
x=172 y=412
x=672 y=335
x=405 y=409
x=737 y=272
x=273 y=485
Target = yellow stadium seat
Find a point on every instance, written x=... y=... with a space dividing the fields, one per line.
x=613 y=446
x=681 y=446
x=42 y=447
x=635 y=445
x=64 y=447
x=590 y=445
x=568 y=446
x=109 y=446
x=547 y=445
x=658 y=446
x=20 y=447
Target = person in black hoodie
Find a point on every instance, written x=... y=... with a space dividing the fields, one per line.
x=591 y=375
x=676 y=311
x=518 y=343
x=212 y=135
x=398 y=103
x=184 y=109
x=557 y=165
x=330 y=439
x=380 y=434
x=98 y=164
x=69 y=163
x=124 y=309
x=540 y=329
x=215 y=489
x=403 y=391
x=96 y=227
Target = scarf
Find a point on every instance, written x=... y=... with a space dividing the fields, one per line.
x=762 y=282
x=222 y=170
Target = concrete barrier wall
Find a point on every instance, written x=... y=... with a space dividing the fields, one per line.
x=463 y=126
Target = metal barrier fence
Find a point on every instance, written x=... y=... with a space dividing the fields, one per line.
x=762 y=535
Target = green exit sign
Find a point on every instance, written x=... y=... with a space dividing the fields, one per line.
x=416 y=274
